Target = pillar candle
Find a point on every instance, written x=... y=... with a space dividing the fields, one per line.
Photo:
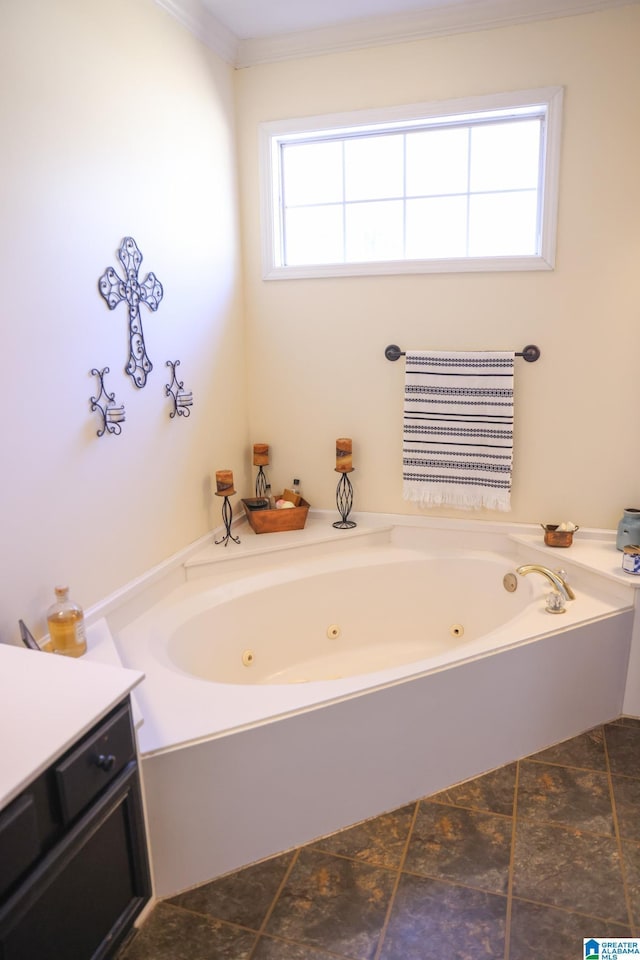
x=224 y=482
x=344 y=462
x=115 y=414
x=260 y=454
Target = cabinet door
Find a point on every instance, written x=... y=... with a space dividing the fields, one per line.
x=19 y=840
x=81 y=900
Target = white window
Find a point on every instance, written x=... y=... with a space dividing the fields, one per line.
x=455 y=186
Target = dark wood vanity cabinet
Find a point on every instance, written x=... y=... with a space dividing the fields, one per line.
x=74 y=871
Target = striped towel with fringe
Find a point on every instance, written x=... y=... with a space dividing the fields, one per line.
x=458 y=429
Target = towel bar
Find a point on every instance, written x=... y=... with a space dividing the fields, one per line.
x=530 y=353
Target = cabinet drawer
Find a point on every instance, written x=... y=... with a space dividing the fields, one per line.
x=94 y=763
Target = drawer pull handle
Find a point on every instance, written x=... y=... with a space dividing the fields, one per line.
x=105 y=761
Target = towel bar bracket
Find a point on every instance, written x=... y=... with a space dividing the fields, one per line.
x=530 y=353
x=393 y=352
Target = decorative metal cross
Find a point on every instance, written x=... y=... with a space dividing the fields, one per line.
x=149 y=291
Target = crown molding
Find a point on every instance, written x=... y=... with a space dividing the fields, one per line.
x=467 y=16
x=200 y=22
x=435 y=21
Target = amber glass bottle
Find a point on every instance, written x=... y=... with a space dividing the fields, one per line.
x=66 y=625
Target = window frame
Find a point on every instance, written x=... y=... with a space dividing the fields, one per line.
x=273 y=133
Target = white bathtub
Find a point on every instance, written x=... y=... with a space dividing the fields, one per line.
x=340 y=617
x=300 y=693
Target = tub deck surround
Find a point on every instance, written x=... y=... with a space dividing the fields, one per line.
x=593 y=552
x=146 y=643
x=234 y=773
x=317 y=535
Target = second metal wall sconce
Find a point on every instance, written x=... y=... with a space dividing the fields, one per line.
x=182 y=399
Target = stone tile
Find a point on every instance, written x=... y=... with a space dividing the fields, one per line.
x=243 y=897
x=431 y=918
x=380 y=842
x=567 y=868
x=631 y=860
x=467 y=846
x=334 y=904
x=566 y=795
x=492 y=792
x=559 y=932
x=585 y=750
x=626 y=793
x=271 y=949
x=450 y=900
x=623 y=747
x=171 y=933
x=627 y=722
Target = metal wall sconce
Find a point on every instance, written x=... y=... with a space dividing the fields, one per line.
x=112 y=415
x=182 y=399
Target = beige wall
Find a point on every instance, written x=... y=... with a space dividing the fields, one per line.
x=315 y=347
x=115 y=122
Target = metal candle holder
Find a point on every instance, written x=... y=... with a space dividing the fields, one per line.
x=112 y=415
x=227 y=519
x=261 y=483
x=182 y=399
x=344 y=501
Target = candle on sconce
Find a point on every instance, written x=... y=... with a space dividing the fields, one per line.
x=184 y=398
x=344 y=457
x=224 y=483
x=260 y=454
x=115 y=414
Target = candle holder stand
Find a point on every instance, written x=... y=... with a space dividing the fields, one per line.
x=344 y=501
x=227 y=519
x=261 y=483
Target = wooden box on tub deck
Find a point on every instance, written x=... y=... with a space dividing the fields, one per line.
x=275 y=521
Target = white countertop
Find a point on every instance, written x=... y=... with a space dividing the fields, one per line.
x=46 y=703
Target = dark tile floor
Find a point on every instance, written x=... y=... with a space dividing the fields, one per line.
x=535 y=855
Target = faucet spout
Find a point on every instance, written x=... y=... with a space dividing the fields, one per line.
x=556 y=578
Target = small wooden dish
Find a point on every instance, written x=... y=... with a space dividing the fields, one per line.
x=275 y=521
